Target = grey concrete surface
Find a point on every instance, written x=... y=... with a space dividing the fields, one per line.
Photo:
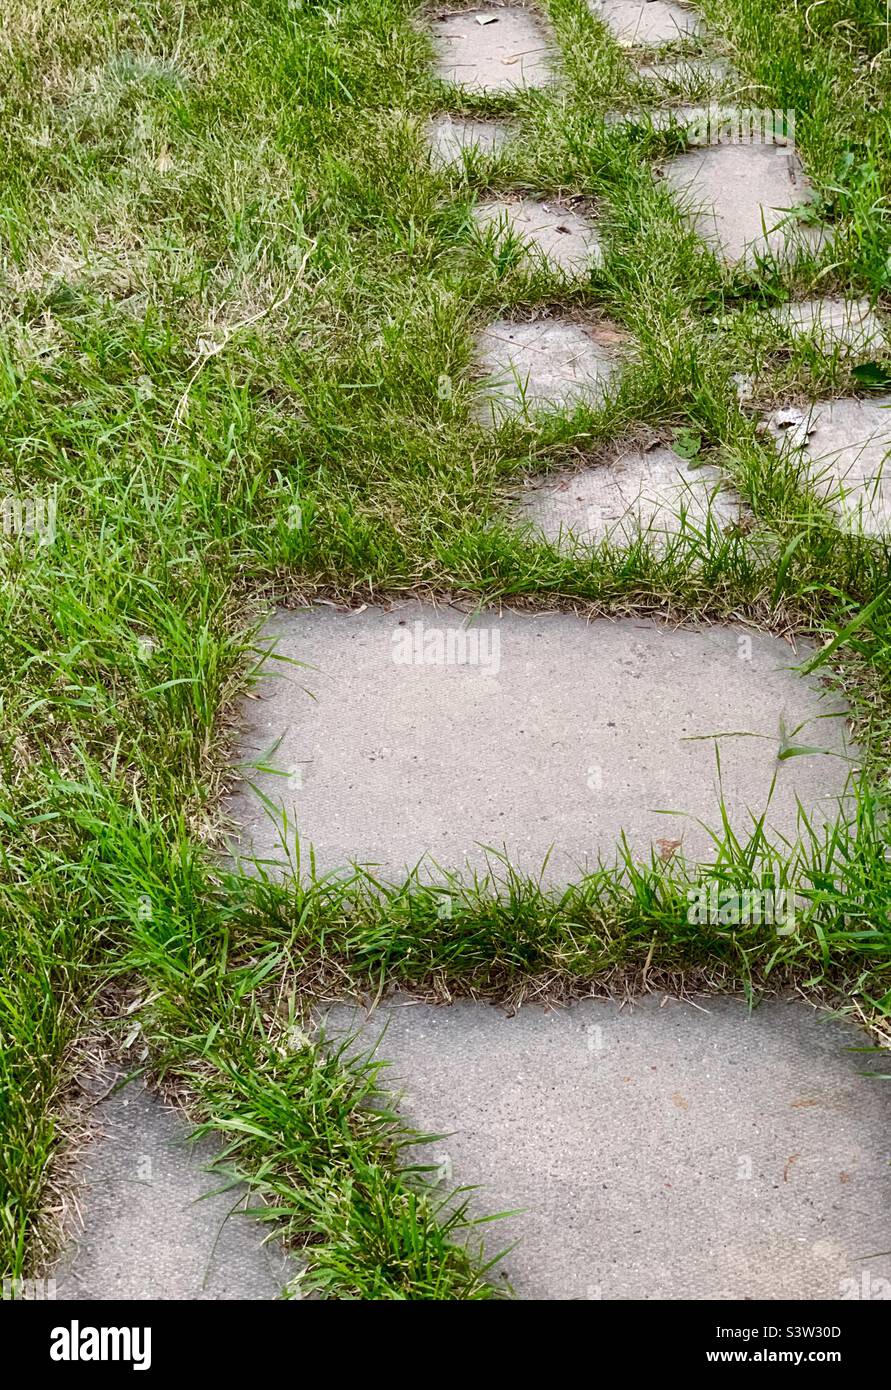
x=664 y=118
x=637 y=492
x=656 y=1151
x=682 y=73
x=846 y=444
x=848 y=323
x=413 y=730
x=525 y=368
x=556 y=236
x=511 y=49
x=647 y=23
x=738 y=198
x=150 y=1228
x=449 y=137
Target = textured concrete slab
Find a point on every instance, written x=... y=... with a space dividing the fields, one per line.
x=418 y=729
x=638 y=492
x=708 y=124
x=847 y=444
x=739 y=198
x=493 y=49
x=833 y=323
x=451 y=138
x=686 y=117
x=647 y=23
x=556 y=236
x=544 y=364
x=682 y=73
x=150 y=1228
x=660 y=1151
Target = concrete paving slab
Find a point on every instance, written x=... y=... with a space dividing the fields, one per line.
x=660 y=1151
x=150 y=1228
x=847 y=444
x=545 y=364
x=637 y=492
x=686 y=117
x=451 y=138
x=707 y=124
x=556 y=236
x=687 y=72
x=416 y=729
x=739 y=197
x=833 y=323
x=647 y=23
x=494 y=49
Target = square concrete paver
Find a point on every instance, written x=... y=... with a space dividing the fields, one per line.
x=545 y=364
x=850 y=323
x=451 y=138
x=555 y=236
x=740 y=196
x=685 y=118
x=688 y=72
x=511 y=49
x=638 y=492
x=659 y=1150
x=417 y=729
x=847 y=444
x=156 y=1224
x=646 y=23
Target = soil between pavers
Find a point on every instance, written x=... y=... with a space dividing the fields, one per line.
x=661 y=1150
x=412 y=729
x=156 y=1225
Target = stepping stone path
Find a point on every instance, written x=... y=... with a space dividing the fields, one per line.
x=450 y=138
x=493 y=50
x=659 y=1150
x=427 y=732
x=556 y=237
x=543 y=364
x=847 y=445
x=834 y=322
x=739 y=198
x=153 y=1228
x=646 y=23
x=639 y=492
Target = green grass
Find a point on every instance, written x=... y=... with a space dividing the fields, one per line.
x=231 y=291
